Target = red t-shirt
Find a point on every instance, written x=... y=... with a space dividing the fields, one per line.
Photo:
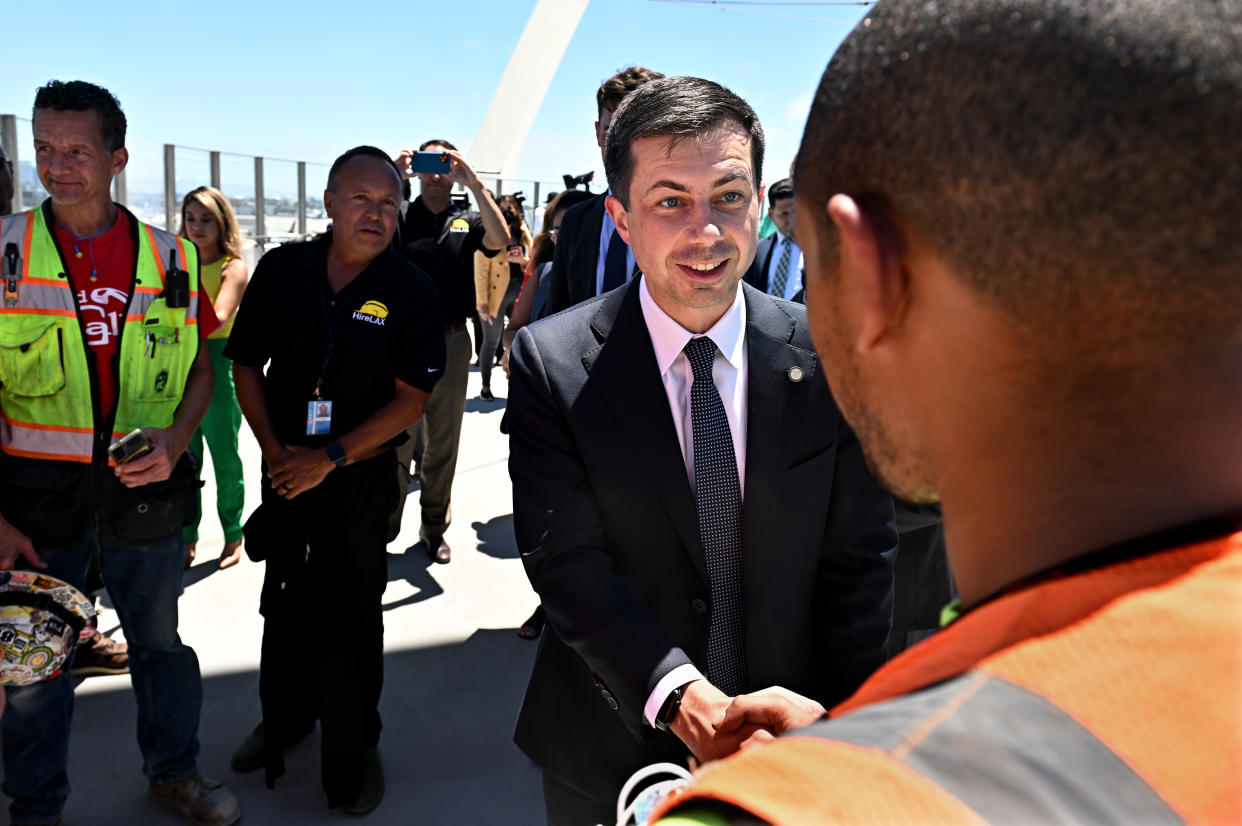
x=101 y=269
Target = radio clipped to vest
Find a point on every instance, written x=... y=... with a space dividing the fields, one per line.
x=11 y=273
x=176 y=283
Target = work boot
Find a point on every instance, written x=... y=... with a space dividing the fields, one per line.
x=204 y=802
x=372 y=791
x=100 y=655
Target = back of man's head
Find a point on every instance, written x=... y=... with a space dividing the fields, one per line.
x=676 y=108
x=80 y=96
x=1075 y=162
x=613 y=90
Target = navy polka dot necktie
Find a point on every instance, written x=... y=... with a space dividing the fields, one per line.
x=718 y=500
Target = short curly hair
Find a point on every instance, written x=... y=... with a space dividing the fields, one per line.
x=80 y=96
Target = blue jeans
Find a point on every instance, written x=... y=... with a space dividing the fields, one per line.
x=144 y=582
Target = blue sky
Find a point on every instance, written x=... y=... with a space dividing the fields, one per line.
x=306 y=81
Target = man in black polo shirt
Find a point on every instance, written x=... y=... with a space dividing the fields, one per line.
x=352 y=340
x=441 y=239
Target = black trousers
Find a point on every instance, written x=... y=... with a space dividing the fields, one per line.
x=323 y=635
x=566 y=806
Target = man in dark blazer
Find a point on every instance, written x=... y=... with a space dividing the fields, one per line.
x=616 y=459
x=579 y=267
x=764 y=272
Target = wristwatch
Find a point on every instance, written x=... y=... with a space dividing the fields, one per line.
x=336 y=453
x=664 y=718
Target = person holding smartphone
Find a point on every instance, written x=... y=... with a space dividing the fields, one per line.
x=108 y=320
x=440 y=236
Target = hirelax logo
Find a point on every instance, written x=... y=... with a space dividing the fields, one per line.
x=372 y=312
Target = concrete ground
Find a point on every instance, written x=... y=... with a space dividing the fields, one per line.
x=455 y=671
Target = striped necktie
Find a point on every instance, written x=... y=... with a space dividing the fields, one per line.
x=782 y=270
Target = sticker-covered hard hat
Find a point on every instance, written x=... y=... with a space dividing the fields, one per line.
x=41 y=620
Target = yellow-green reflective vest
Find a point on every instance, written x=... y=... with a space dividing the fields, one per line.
x=46 y=399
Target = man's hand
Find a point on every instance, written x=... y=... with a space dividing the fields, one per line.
x=155 y=466
x=702 y=706
x=304 y=469
x=774 y=710
x=460 y=171
x=485 y=313
x=403 y=160
x=16 y=545
x=504 y=363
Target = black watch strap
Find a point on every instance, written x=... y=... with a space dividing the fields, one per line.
x=664 y=718
x=336 y=453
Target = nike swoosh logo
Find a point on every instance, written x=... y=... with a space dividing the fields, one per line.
x=433 y=369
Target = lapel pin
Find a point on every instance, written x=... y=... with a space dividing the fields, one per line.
x=795 y=373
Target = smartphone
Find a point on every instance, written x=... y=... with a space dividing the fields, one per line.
x=129 y=447
x=435 y=163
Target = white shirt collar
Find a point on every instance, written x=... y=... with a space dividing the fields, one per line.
x=669 y=338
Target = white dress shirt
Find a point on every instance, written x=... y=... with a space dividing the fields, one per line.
x=793 y=281
x=605 y=237
x=729 y=373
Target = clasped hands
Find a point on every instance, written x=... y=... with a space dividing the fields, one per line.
x=714 y=725
x=294 y=469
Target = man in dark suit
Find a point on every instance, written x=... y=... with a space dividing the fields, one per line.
x=777 y=268
x=684 y=556
x=582 y=268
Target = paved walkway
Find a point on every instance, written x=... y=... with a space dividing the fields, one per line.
x=455 y=672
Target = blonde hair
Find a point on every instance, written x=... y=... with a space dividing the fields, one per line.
x=221 y=210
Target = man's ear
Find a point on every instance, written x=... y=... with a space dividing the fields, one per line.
x=619 y=217
x=872 y=272
x=119 y=160
x=599 y=136
x=329 y=203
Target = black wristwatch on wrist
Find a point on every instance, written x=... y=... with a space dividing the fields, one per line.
x=664 y=718
x=336 y=453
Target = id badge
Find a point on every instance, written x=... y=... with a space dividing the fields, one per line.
x=318 y=417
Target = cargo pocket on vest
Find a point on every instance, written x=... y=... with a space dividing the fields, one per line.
x=32 y=358
x=160 y=375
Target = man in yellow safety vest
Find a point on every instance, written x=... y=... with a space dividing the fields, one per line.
x=100 y=322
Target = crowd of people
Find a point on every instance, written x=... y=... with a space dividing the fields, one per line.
x=998 y=313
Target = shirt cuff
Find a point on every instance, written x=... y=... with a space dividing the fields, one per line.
x=676 y=678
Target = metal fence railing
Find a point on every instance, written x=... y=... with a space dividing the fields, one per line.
x=276 y=199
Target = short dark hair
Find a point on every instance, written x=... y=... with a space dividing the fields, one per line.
x=1076 y=161
x=422 y=147
x=779 y=191
x=613 y=90
x=359 y=151
x=677 y=108
x=80 y=96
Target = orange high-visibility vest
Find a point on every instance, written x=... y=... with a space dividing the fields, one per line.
x=1109 y=696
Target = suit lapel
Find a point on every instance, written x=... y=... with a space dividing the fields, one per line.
x=767 y=261
x=624 y=371
x=772 y=365
x=588 y=249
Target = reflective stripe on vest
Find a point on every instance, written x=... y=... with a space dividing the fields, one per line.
x=976 y=749
x=45 y=385
x=1108 y=695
